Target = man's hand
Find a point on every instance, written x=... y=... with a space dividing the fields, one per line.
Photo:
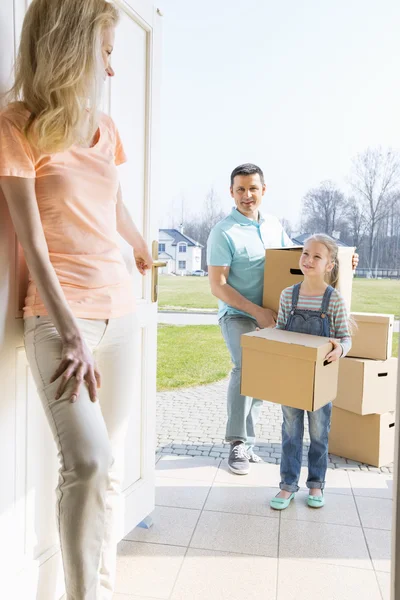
x=143 y=260
x=356 y=259
x=337 y=351
x=266 y=318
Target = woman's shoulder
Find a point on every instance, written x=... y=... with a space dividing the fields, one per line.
x=107 y=121
x=16 y=113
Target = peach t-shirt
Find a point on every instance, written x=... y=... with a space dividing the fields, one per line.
x=76 y=192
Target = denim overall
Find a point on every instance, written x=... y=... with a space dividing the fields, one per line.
x=312 y=322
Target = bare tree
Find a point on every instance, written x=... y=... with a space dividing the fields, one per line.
x=375 y=180
x=356 y=222
x=199 y=226
x=287 y=226
x=323 y=207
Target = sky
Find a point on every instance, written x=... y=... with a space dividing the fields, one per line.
x=299 y=87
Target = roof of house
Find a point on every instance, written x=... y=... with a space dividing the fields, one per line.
x=300 y=239
x=177 y=236
x=165 y=255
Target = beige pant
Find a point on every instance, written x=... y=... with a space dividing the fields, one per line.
x=90 y=441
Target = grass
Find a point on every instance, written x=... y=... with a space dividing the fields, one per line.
x=369 y=295
x=395 y=344
x=191 y=355
x=185 y=292
x=376 y=295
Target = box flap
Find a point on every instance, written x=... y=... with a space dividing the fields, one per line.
x=372 y=317
x=287 y=343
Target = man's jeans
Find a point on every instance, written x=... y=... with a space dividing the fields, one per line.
x=292 y=447
x=243 y=412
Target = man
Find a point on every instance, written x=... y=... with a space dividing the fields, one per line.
x=236 y=258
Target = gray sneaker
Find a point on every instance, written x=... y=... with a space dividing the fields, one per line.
x=238 y=461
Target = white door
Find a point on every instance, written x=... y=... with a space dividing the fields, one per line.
x=30 y=565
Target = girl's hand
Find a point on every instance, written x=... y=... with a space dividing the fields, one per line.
x=266 y=318
x=337 y=351
x=143 y=260
x=77 y=361
x=355 y=261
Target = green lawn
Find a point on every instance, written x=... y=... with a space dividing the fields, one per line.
x=191 y=355
x=376 y=295
x=369 y=295
x=185 y=292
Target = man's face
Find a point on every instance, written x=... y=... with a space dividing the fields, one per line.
x=247 y=191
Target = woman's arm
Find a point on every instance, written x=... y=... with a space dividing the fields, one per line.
x=128 y=230
x=76 y=359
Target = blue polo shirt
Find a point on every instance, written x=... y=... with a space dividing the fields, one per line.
x=240 y=243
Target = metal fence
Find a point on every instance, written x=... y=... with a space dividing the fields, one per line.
x=378 y=273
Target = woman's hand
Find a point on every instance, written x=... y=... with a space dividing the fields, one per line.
x=143 y=260
x=337 y=351
x=77 y=362
x=355 y=261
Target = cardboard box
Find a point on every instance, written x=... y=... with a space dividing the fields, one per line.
x=288 y=368
x=282 y=271
x=367 y=386
x=368 y=439
x=372 y=336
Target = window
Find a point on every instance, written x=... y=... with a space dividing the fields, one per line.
x=182 y=264
x=161 y=247
x=182 y=247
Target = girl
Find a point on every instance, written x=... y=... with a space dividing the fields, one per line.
x=58 y=157
x=316 y=308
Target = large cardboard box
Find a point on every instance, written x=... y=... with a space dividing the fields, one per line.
x=288 y=368
x=372 y=336
x=367 y=386
x=368 y=439
x=282 y=270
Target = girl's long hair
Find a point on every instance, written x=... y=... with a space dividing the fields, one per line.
x=59 y=70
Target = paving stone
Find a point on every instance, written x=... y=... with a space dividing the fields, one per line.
x=193 y=420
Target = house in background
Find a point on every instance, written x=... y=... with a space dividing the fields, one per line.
x=180 y=252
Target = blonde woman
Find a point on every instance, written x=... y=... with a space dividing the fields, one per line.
x=58 y=157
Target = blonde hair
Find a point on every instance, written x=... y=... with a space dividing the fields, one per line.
x=333 y=250
x=59 y=72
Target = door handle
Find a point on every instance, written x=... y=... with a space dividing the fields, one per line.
x=157 y=264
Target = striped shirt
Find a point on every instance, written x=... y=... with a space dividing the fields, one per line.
x=337 y=313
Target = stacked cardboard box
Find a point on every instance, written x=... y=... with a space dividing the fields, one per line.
x=363 y=413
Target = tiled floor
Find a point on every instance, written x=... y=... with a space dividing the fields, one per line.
x=215 y=538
